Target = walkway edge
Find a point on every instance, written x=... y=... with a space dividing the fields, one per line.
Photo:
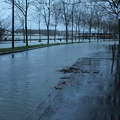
x=40 y=109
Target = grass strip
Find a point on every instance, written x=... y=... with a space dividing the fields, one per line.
x=23 y=48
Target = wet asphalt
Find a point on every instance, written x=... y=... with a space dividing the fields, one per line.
x=88 y=90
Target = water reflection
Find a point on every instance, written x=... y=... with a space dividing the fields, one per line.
x=112 y=98
x=117 y=82
x=12 y=55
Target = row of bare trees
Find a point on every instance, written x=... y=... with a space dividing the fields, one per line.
x=2 y=30
x=4 y=24
x=77 y=15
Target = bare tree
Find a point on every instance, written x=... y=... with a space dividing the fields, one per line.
x=110 y=6
x=90 y=16
x=99 y=13
x=12 y=2
x=46 y=13
x=19 y=16
x=78 y=18
x=39 y=22
x=2 y=31
x=23 y=7
x=84 y=19
x=65 y=16
x=5 y=27
x=38 y=12
x=56 y=16
x=75 y=16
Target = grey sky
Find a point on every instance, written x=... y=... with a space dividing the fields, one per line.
x=6 y=14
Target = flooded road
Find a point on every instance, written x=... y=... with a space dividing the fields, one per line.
x=8 y=44
x=27 y=77
x=89 y=93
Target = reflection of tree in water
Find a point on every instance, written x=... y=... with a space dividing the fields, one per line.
x=112 y=99
x=117 y=81
x=114 y=55
x=116 y=93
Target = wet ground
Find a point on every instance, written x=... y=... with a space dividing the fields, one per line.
x=87 y=91
x=26 y=78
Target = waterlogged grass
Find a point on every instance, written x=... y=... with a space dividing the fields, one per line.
x=23 y=48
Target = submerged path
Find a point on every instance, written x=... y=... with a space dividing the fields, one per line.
x=27 y=78
x=87 y=91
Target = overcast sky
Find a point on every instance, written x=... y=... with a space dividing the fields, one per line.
x=6 y=13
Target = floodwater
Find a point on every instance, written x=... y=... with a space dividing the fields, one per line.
x=27 y=77
x=8 y=44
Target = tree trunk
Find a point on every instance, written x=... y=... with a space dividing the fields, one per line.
x=79 y=31
x=89 y=33
x=55 y=33
x=23 y=33
x=39 y=33
x=48 y=38
x=26 y=26
x=83 y=32
x=13 y=24
x=72 y=23
x=26 y=35
x=66 y=34
x=76 y=33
